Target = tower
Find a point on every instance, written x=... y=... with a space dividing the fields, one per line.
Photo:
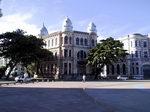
x=67 y=25
x=92 y=28
x=43 y=31
x=93 y=33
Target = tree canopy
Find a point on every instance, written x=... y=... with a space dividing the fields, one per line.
x=18 y=47
x=106 y=52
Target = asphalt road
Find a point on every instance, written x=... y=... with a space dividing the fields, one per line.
x=130 y=96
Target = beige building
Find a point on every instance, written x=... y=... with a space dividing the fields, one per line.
x=70 y=48
x=137 y=63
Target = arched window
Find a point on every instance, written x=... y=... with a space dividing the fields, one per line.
x=107 y=68
x=93 y=43
x=81 y=41
x=77 y=41
x=70 y=40
x=66 y=40
x=85 y=42
x=112 y=68
x=81 y=55
x=124 y=69
x=118 y=69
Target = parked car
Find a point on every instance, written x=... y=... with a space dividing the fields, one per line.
x=122 y=78
x=138 y=78
x=22 y=79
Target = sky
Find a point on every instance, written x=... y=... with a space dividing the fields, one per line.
x=113 y=18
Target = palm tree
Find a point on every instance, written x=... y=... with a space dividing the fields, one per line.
x=105 y=53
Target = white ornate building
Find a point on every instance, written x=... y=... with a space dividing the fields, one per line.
x=70 y=48
x=137 y=64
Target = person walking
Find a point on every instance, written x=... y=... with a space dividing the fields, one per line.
x=83 y=78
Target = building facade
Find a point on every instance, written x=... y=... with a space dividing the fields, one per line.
x=70 y=49
x=137 y=63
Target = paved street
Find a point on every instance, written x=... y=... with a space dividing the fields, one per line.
x=126 y=96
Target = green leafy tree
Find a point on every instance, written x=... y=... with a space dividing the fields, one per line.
x=105 y=53
x=21 y=48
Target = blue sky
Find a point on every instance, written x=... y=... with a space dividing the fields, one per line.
x=112 y=17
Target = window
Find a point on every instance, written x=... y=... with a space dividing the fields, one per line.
x=139 y=43
x=48 y=43
x=69 y=68
x=66 y=40
x=85 y=42
x=107 y=69
x=52 y=68
x=78 y=55
x=84 y=55
x=112 y=68
x=81 y=41
x=55 y=68
x=137 y=70
x=48 y=68
x=65 y=68
x=118 y=69
x=131 y=43
x=77 y=41
x=133 y=70
x=145 y=54
x=136 y=54
x=124 y=69
x=70 y=40
x=56 y=41
x=56 y=55
x=144 y=44
x=81 y=54
x=132 y=54
x=136 y=43
x=140 y=54
x=65 y=53
x=52 y=42
x=93 y=44
x=69 y=53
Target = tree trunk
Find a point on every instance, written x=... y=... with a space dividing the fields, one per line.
x=11 y=68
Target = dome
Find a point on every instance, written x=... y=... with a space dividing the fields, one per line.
x=92 y=28
x=67 y=25
x=44 y=31
x=136 y=35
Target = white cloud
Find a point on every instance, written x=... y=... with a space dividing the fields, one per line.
x=18 y=21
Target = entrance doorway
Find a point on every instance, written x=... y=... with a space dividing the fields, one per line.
x=146 y=71
x=81 y=67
